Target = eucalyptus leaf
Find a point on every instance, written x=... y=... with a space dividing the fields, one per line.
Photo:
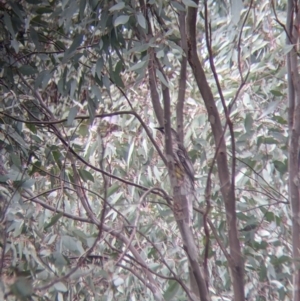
x=8 y=23
x=190 y=3
x=117 y=7
x=141 y=20
x=59 y=286
x=72 y=115
x=53 y=221
x=121 y=20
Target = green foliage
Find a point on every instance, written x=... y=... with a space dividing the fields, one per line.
x=64 y=63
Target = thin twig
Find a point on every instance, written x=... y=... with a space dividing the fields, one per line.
x=134 y=226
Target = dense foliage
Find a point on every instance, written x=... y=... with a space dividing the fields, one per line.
x=86 y=210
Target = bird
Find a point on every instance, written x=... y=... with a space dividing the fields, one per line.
x=184 y=169
x=181 y=155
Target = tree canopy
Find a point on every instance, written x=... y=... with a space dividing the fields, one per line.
x=88 y=198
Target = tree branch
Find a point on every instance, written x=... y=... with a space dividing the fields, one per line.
x=237 y=268
x=182 y=78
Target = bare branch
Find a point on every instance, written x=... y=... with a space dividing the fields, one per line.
x=182 y=78
x=292 y=25
x=158 y=110
x=237 y=268
x=134 y=224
